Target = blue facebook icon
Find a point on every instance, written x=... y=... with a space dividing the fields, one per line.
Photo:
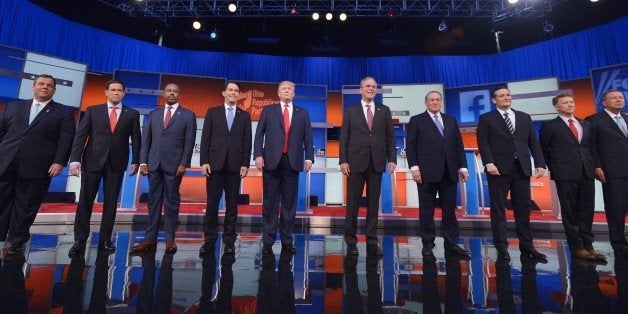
x=473 y=104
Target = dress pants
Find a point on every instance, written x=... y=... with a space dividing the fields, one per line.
x=217 y=182
x=519 y=186
x=283 y=182
x=615 y=192
x=90 y=181
x=355 y=185
x=20 y=199
x=577 y=201
x=163 y=192
x=446 y=189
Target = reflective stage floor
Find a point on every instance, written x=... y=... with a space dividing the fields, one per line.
x=317 y=279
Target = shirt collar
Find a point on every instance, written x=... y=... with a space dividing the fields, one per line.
x=365 y=103
x=612 y=114
x=433 y=114
x=109 y=105
x=509 y=111
x=42 y=103
x=174 y=107
x=283 y=104
x=567 y=119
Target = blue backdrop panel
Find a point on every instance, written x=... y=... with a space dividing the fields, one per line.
x=607 y=78
x=468 y=103
x=11 y=64
x=139 y=80
x=317 y=180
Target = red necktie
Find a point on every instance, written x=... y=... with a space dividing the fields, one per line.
x=168 y=117
x=573 y=129
x=113 y=118
x=286 y=127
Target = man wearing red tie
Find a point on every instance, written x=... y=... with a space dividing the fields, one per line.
x=283 y=134
x=101 y=152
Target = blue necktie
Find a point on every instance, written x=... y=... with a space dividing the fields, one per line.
x=229 y=117
x=439 y=125
x=34 y=112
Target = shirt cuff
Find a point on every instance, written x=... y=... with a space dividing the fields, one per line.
x=307 y=160
x=463 y=170
x=143 y=165
x=75 y=163
x=414 y=168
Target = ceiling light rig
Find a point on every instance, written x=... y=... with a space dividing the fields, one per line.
x=315 y=16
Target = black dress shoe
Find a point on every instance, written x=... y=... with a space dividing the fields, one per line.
x=289 y=248
x=530 y=250
x=77 y=249
x=457 y=251
x=374 y=250
x=206 y=249
x=352 y=249
x=267 y=249
x=106 y=247
x=229 y=249
x=503 y=255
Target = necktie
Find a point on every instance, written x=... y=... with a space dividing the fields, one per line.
x=622 y=126
x=509 y=124
x=168 y=116
x=439 y=125
x=286 y=127
x=369 y=116
x=34 y=112
x=113 y=118
x=573 y=129
x=229 y=117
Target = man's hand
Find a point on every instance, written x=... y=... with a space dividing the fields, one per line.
x=391 y=167
x=75 y=169
x=55 y=170
x=416 y=176
x=206 y=170
x=492 y=170
x=180 y=171
x=244 y=171
x=259 y=163
x=599 y=174
x=307 y=165
x=143 y=170
x=133 y=170
x=344 y=168
x=464 y=175
x=539 y=172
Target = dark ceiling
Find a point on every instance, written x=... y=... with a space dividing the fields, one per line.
x=358 y=36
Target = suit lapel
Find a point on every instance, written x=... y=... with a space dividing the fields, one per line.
x=296 y=112
x=565 y=129
x=612 y=122
x=360 y=112
x=502 y=122
x=42 y=113
x=279 y=113
x=175 y=115
x=26 y=111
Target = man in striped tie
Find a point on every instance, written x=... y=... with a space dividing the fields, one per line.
x=506 y=138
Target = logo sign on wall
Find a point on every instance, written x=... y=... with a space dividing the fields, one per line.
x=606 y=78
x=468 y=103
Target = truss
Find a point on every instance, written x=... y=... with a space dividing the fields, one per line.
x=498 y=10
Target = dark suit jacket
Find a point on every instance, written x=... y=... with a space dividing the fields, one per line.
x=94 y=142
x=359 y=145
x=170 y=147
x=565 y=157
x=430 y=151
x=46 y=141
x=218 y=143
x=498 y=146
x=609 y=146
x=269 y=137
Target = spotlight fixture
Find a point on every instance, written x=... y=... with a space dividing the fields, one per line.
x=213 y=35
x=315 y=16
x=232 y=7
x=442 y=26
x=548 y=27
x=294 y=11
x=594 y=0
x=513 y=1
x=390 y=13
x=329 y=16
x=196 y=25
x=343 y=16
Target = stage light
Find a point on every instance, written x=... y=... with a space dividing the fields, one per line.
x=442 y=26
x=213 y=35
x=343 y=16
x=594 y=0
x=294 y=11
x=196 y=25
x=548 y=27
x=513 y=1
x=390 y=13
x=315 y=16
x=329 y=16
x=232 y=7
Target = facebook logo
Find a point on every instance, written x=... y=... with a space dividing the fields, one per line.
x=474 y=103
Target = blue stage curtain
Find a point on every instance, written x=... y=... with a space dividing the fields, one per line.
x=27 y=26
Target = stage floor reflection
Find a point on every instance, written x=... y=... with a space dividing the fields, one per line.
x=317 y=279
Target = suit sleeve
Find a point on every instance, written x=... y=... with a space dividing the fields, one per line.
x=462 y=159
x=3 y=123
x=412 y=142
x=593 y=143
x=484 y=143
x=64 y=147
x=390 y=138
x=545 y=139
x=81 y=136
x=309 y=143
x=248 y=138
x=259 y=134
x=147 y=139
x=345 y=135
x=535 y=146
x=190 y=138
x=206 y=136
x=136 y=140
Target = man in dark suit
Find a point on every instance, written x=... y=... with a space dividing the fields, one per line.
x=367 y=143
x=167 y=147
x=436 y=159
x=505 y=139
x=101 y=151
x=35 y=142
x=565 y=142
x=283 y=134
x=225 y=159
x=610 y=151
